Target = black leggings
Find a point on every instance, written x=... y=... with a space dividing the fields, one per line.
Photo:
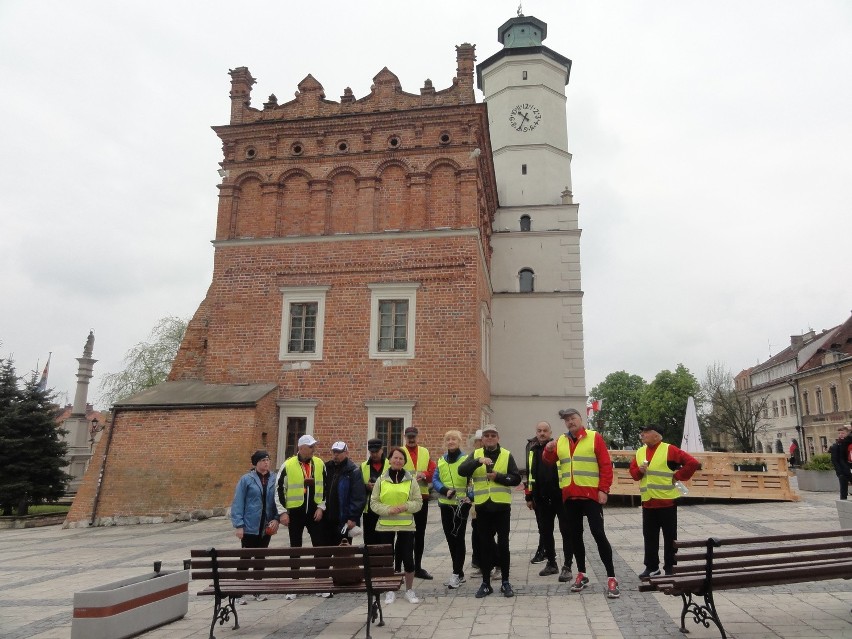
x=454 y=521
x=575 y=509
x=404 y=550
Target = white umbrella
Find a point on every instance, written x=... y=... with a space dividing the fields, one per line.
x=691 y=441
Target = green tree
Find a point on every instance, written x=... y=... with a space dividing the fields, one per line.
x=32 y=452
x=620 y=394
x=732 y=412
x=664 y=401
x=146 y=364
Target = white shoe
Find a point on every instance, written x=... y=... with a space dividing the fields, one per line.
x=390 y=597
x=454 y=581
x=412 y=597
x=324 y=595
x=290 y=597
x=261 y=598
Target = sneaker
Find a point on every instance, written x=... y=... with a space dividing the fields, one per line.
x=261 y=598
x=421 y=573
x=475 y=570
x=565 y=574
x=612 y=590
x=580 y=582
x=506 y=589
x=412 y=597
x=324 y=595
x=390 y=597
x=550 y=568
x=243 y=601
x=290 y=597
x=496 y=573
x=538 y=557
x=484 y=591
x=453 y=582
x=648 y=573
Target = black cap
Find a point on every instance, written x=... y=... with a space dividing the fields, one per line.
x=375 y=444
x=258 y=455
x=411 y=430
x=653 y=427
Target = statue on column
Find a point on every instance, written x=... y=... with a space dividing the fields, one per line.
x=90 y=345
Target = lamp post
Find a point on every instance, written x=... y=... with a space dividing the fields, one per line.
x=94 y=429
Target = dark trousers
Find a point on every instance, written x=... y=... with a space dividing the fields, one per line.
x=575 y=510
x=547 y=511
x=404 y=548
x=255 y=541
x=491 y=554
x=844 y=487
x=454 y=521
x=370 y=519
x=475 y=555
x=299 y=521
x=421 y=517
x=655 y=520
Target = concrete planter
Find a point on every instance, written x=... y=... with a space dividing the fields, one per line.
x=818 y=481
x=129 y=607
x=844 y=512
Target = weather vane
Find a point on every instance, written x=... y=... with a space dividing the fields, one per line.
x=520 y=9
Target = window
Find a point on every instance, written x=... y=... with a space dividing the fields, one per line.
x=765 y=411
x=783 y=408
x=524 y=75
x=823 y=441
x=811 y=446
x=523 y=169
x=526 y=222
x=526 y=280
x=388 y=420
x=793 y=410
x=807 y=404
x=835 y=405
x=295 y=418
x=302 y=322
x=779 y=447
x=392 y=320
x=775 y=408
x=819 y=401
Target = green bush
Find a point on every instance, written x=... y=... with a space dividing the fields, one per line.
x=819 y=462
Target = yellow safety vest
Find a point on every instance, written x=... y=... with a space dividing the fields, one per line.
x=483 y=489
x=449 y=475
x=656 y=483
x=422 y=465
x=392 y=494
x=365 y=473
x=581 y=468
x=296 y=490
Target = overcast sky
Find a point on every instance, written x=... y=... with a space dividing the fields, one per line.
x=712 y=146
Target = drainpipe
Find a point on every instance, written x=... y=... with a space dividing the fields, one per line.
x=103 y=466
x=800 y=429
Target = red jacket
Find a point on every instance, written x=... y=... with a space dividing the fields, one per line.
x=676 y=457
x=572 y=490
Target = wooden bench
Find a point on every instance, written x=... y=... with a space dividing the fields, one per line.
x=283 y=571
x=748 y=562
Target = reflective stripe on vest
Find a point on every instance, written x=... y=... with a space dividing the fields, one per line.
x=296 y=490
x=422 y=465
x=393 y=494
x=581 y=468
x=530 y=477
x=449 y=475
x=483 y=488
x=365 y=473
x=656 y=483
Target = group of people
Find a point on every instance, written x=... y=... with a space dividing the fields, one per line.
x=567 y=480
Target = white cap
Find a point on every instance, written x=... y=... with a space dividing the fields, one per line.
x=478 y=434
x=307 y=440
x=339 y=446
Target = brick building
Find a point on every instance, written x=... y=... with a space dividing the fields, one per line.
x=353 y=286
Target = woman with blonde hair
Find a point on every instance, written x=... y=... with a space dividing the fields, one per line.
x=454 y=503
x=395 y=498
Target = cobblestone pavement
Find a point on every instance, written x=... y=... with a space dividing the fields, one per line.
x=41 y=568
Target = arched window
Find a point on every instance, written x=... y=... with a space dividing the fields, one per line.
x=820 y=408
x=526 y=279
x=525 y=222
x=779 y=447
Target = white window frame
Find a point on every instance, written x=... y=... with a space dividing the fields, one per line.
x=294 y=408
x=396 y=291
x=302 y=295
x=393 y=409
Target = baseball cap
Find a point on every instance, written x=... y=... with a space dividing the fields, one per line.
x=375 y=444
x=339 y=446
x=307 y=440
x=490 y=428
x=478 y=434
x=411 y=430
x=567 y=412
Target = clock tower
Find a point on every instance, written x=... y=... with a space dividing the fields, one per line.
x=537 y=364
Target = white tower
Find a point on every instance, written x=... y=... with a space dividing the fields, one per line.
x=537 y=309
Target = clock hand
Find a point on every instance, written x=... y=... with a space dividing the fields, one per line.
x=526 y=117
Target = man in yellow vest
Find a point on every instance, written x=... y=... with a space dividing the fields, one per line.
x=301 y=496
x=585 y=477
x=494 y=472
x=420 y=465
x=657 y=466
x=371 y=470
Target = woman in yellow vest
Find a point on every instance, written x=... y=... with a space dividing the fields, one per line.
x=395 y=499
x=454 y=503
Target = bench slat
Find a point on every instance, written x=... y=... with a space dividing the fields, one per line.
x=763 y=539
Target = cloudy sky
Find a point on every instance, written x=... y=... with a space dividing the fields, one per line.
x=712 y=148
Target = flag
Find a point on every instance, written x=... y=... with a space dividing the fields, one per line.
x=42 y=383
x=594 y=406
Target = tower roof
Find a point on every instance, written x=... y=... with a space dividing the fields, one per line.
x=523 y=31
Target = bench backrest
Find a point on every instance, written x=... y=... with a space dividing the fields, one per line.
x=342 y=563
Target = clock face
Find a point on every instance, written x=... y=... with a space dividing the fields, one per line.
x=524 y=117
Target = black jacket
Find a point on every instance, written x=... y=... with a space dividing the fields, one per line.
x=510 y=478
x=546 y=477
